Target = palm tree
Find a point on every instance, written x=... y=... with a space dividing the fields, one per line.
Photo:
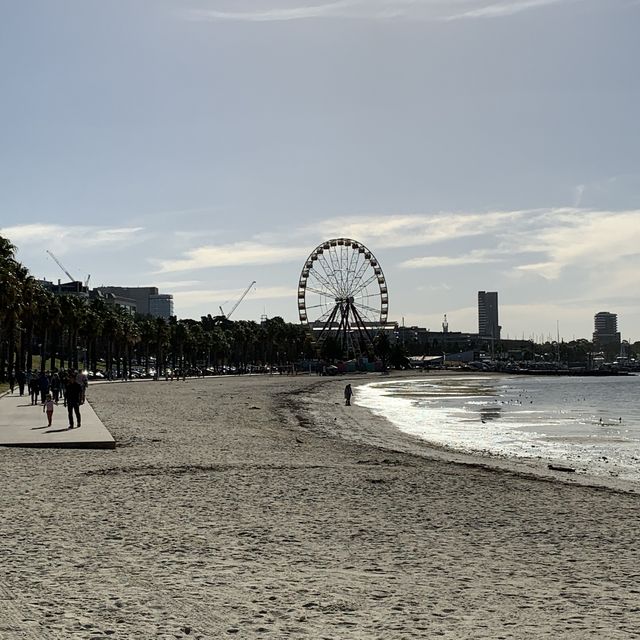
x=147 y=335
x=91 y=330
x=161 y=338
x=10 y=303
x=131 y=335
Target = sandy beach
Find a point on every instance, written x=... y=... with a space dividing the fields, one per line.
x=262 y=507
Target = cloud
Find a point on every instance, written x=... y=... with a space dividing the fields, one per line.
x=429 y=262
x=224 y=295
x=76 y=235
x=231 y=255
x=419 y=229
x=332 y=9
x=370 y=10
x=382 y=231
x=502 y=9
x=544 y=242
x=582 y=238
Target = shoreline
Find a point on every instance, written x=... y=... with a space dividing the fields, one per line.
x=378 y=431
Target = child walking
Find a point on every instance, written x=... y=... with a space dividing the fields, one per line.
x=48 y=407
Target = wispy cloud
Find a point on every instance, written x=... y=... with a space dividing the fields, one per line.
x=432 y=262
x=388 y=232
x=230 y=255
x=502 y=9
x=223 y=295
x=332 y=9
x=391 y=231
x=447 y=10
x=575 y=237
x=542 y=242
x=78 y=235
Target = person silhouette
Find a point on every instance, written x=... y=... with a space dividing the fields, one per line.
x=348 y=392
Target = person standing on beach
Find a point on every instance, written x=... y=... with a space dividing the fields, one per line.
x=74 y=396
x=48 y=408
x=348 y=392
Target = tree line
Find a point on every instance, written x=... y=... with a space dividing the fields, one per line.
x=69 y=331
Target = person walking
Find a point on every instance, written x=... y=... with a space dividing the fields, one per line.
x=21 y=379
x=55 y=387
x=34 y=387
x=43 y=384
x=12 y=381
x=348 y=392
x=48 y=408
x=73 y=393
x=83 y=381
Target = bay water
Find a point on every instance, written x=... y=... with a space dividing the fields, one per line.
x=589 y=423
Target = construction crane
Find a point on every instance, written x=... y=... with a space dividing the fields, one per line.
x=235 y=306
x=71 y=278
x=86 y=282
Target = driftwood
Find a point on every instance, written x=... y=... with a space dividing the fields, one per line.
x=557 y=467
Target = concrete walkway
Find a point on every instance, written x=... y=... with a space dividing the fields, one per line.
x=24 y=425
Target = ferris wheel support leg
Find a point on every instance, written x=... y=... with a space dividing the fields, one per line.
x=361 y=326
x=328 y=323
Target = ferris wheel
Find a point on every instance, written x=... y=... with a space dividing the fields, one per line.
x=342 y=294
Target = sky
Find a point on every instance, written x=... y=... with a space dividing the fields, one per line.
x=199 y=145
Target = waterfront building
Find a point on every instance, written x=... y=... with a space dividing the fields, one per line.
x=606 y=337
x=488 y=325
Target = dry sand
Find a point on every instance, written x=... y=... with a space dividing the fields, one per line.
x=235 y=507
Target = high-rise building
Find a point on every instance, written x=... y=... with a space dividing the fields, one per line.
x=488 y=326
x=606 y=336
x=161 y=305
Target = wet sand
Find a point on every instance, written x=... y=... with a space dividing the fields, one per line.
x=262 y=507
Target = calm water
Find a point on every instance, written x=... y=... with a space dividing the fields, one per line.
x=592 y=424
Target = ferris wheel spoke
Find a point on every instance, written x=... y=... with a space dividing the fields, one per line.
x=324 y=281
x=353 y=263
x=365 y=284
x=319 y=292
x=364 y=306
x=317 y=306
x=337 y=272
x=344 y=272
x=330 y=274
x=362 y=270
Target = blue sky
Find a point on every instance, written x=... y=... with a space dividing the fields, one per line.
x=200 y=145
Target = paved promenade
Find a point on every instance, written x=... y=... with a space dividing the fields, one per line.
x=24 y=425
